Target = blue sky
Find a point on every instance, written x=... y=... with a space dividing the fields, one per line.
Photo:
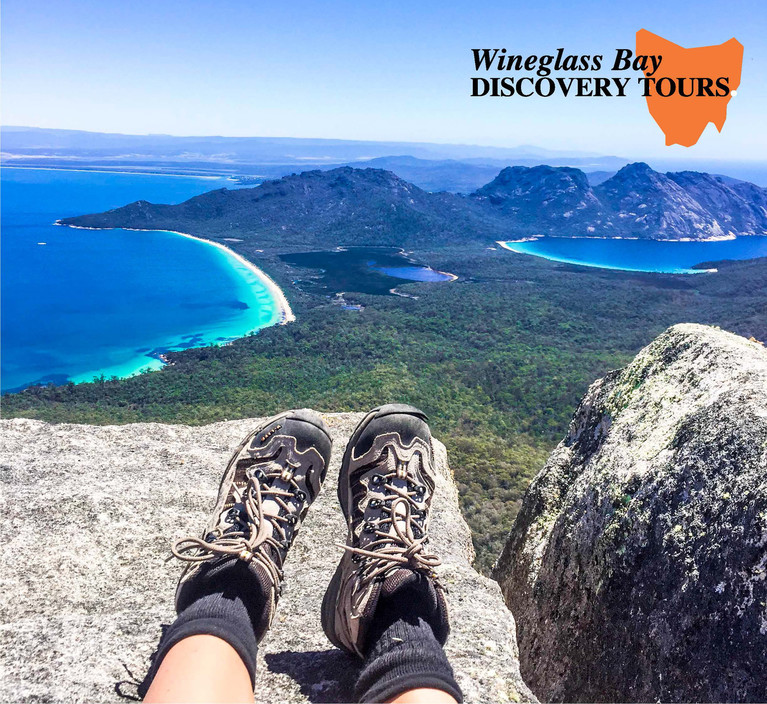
x=356 y=70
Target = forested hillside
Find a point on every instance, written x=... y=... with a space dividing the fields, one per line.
x=498 y=359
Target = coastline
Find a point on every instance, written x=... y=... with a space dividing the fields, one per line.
x=285 y=311
x=114 y=171
x=723 y=238
x=564 y=260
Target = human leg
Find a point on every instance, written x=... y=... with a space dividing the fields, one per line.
x=385 y=603
x=201 y=668
x=229 y=591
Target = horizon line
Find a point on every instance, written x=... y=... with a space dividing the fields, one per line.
x=584 y=153
x=563 y=153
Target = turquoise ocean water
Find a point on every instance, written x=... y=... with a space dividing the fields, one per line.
x=641 y=255
x=81 y=303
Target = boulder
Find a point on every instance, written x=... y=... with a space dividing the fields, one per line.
x=88 y=517
x=637 y=566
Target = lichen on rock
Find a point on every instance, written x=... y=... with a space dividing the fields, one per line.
x=636 y=567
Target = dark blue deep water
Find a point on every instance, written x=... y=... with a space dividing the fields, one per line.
x=81 y=303
x=641 y=255
x=412 y=273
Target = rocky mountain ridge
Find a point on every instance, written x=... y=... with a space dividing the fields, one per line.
x=349 y=206
x=317 y=209
x=635 y=202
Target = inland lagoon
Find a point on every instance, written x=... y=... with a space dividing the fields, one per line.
x=375 y=270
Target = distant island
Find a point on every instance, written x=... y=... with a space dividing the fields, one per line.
x=350 y=206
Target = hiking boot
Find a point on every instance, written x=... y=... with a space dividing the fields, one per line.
x=270 y=482
x=385 y=488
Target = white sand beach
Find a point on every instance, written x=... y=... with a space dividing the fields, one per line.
x=286 y=313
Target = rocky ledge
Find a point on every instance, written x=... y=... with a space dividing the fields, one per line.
x=88 y=516
x=637 y=566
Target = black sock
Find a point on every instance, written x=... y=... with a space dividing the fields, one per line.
x=404 y=653
x=225 y=608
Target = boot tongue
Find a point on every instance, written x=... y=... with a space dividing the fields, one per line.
x=398 y=579
x=409 y=592
x=410 y=580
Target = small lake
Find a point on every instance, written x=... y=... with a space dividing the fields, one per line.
x=374 y=270
x=660 y=256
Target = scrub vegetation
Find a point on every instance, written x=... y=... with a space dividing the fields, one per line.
x=498 y=359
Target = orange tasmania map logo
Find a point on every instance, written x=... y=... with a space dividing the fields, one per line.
x=691 y=87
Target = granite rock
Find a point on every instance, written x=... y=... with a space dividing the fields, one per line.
x=637 y=566
x=88 y=516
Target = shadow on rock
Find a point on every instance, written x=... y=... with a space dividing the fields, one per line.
x=323 y=675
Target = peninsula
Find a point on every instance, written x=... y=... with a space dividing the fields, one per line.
x=348 y=206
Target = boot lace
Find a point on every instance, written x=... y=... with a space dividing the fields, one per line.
x=400 y=548
x=256 y=530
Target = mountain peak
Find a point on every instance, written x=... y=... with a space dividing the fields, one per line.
x=549 y=196
x=542 y=175
x=637 y=168
x=336 y=180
